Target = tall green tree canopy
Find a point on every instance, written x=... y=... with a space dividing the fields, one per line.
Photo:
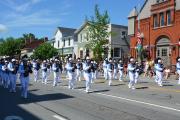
x=44 y=51
x=98 y=32
x=11 y=47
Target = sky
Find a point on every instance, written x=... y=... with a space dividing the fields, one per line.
x=42 y=17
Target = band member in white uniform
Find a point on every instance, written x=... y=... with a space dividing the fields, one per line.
x=110 y=68
x=56 y=71
x=44 y=72
x=159 y=68
x=70 y=67
x=178 y=68
x=87 y=73
x=131 y=71
x=121 y=70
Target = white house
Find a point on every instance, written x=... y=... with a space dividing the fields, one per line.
x=64 y=41
x=117 y=47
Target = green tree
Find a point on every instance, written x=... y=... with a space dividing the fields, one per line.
x=11 y=47
x=44 y=51
x=98 y=33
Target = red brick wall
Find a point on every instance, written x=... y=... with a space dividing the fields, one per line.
x=152 y=34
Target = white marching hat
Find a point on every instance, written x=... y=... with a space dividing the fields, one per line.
x=13 y=60
x=70 y=59
x=179 y=60
x=87 y=58
x=44 y=61
x=159 y=61
x=132 y=59
x=56 y=60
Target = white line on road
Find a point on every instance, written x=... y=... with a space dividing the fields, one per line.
x=145 y=103
x=59 y=117
x=136 y=101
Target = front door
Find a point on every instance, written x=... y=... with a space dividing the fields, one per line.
x=163 y=53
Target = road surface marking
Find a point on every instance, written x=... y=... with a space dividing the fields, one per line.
x=141 y=102
x=13 y=118
x=59 y=117
x=136 y=101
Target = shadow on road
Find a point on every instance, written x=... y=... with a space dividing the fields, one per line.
x=9 y=103
x=142 y=88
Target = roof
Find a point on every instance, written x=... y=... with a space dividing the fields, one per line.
x=119 y=26
x=66 y=31
x=145 y=10
x=82 y=27
x=34 y=44
x=133 y=13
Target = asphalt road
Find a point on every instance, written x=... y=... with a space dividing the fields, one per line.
x=116 y=102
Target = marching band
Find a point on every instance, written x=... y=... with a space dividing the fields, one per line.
x=76 y=70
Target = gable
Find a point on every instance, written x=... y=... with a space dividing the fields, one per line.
x=146 y=9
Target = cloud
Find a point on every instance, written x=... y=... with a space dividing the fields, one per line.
x=3 y=28
x=20 y=6
x=39 y=18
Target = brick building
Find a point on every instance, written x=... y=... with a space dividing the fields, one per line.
x=159 y=23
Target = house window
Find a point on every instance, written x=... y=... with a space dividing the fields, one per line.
x=116 y=52
x=58 y=43
x=123 y=34
x=87 y=37
x=158 y=53
x=81 y=54
x=155 y=21
x=164 y=52
x=162 y=19
x=81 y=37
x=64 y=43
x=69 y=41
x=168 y=17
x=87 y=52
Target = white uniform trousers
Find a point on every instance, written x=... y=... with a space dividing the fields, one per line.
x=88 y=81
x=110 y=74
x=56 y=78
x=105 y=74
x=178 y=71
x=6 y=80
x=71 y=77
x=115 y=74
x=36 y=75
x=159 y=76
x=25 y=85
x=44 y=77
x=132 y=80
x=1 y=80
x=78 y=75
x=136 y=76
x=120 y=75
x=13 y=78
